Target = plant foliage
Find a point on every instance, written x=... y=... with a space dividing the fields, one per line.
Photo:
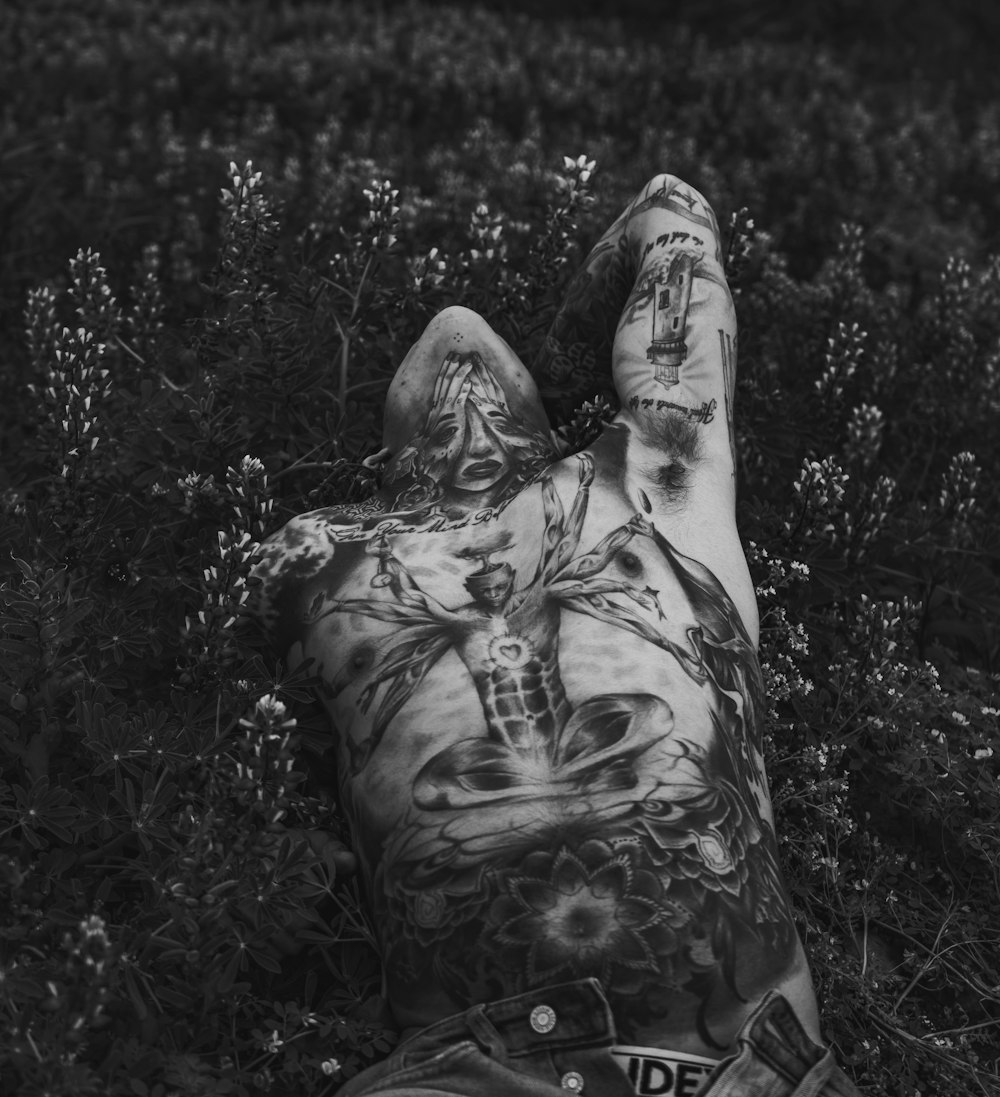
x=224 y=225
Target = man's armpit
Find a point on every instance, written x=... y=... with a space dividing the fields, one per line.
x=671 y=448
x=672 y=432
x=669 y=483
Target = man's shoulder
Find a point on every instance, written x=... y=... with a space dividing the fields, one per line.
x=295 y=554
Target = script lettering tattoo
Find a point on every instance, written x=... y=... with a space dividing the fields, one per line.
x=570 y=840
x=704 y=414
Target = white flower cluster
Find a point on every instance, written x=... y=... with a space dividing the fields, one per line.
x=227 y=591
x=878 y=628
x=428 y=271
x=783 y=643
x=93 y=302
x=244 y=182
x=863 y=524
x=195 y=487
x=269 y=712
x=741 y=238
x=247 y=487
x=224 y=594
x=779 y=572
x=850 y=246
x=248 y=237
x=224 y=587
x=574 y=186
x=76 y=383
x=383 y=214
x=577 y=173
x=92 y=945
x=957 y=496
x=843 y=355
x=41 y=328
x=73 y=360
x=145 y=318
x=485 y=231
x=819 y=490
x=266 y=755
x=864 y=435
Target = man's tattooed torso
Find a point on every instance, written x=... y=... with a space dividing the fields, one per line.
x=548 y=707
x=550 y=755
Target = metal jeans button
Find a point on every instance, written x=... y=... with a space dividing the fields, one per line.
x=543 y=1019
x=572 y=1081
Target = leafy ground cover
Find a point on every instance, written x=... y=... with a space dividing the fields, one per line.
x=223 y=225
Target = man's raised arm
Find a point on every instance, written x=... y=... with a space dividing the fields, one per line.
x=649 y=316
x=674 y=357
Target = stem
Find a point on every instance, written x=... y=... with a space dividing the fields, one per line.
x=864 y=945
x=345 y=354
x=361 y=385
x=302 y=466
x=352 y=921
x=345 y=346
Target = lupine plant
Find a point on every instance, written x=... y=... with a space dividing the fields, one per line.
x=215 y=260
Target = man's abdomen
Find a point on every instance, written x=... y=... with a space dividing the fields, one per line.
x=637 y=852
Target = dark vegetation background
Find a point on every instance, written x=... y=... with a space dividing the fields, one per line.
x=183 y=368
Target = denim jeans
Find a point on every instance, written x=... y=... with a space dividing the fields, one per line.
x=557 y=1039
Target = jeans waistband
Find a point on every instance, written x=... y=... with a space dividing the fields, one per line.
x=575 y=1018
x=562 y=1016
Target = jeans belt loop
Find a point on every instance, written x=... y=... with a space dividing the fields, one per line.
x=483 y=1032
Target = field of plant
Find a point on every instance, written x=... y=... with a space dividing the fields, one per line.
x=221 y=227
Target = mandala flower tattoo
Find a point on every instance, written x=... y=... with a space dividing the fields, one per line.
x=591 y=912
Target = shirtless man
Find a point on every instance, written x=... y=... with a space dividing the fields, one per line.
x=542 y=679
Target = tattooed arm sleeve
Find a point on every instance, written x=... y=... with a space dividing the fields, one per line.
x=675 y=347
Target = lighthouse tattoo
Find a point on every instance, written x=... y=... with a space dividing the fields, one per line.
x=672 y=295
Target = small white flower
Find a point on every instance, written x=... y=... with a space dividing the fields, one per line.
x=269 y=705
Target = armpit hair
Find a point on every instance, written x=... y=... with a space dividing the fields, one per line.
x=678 y=447
x=668 y=481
